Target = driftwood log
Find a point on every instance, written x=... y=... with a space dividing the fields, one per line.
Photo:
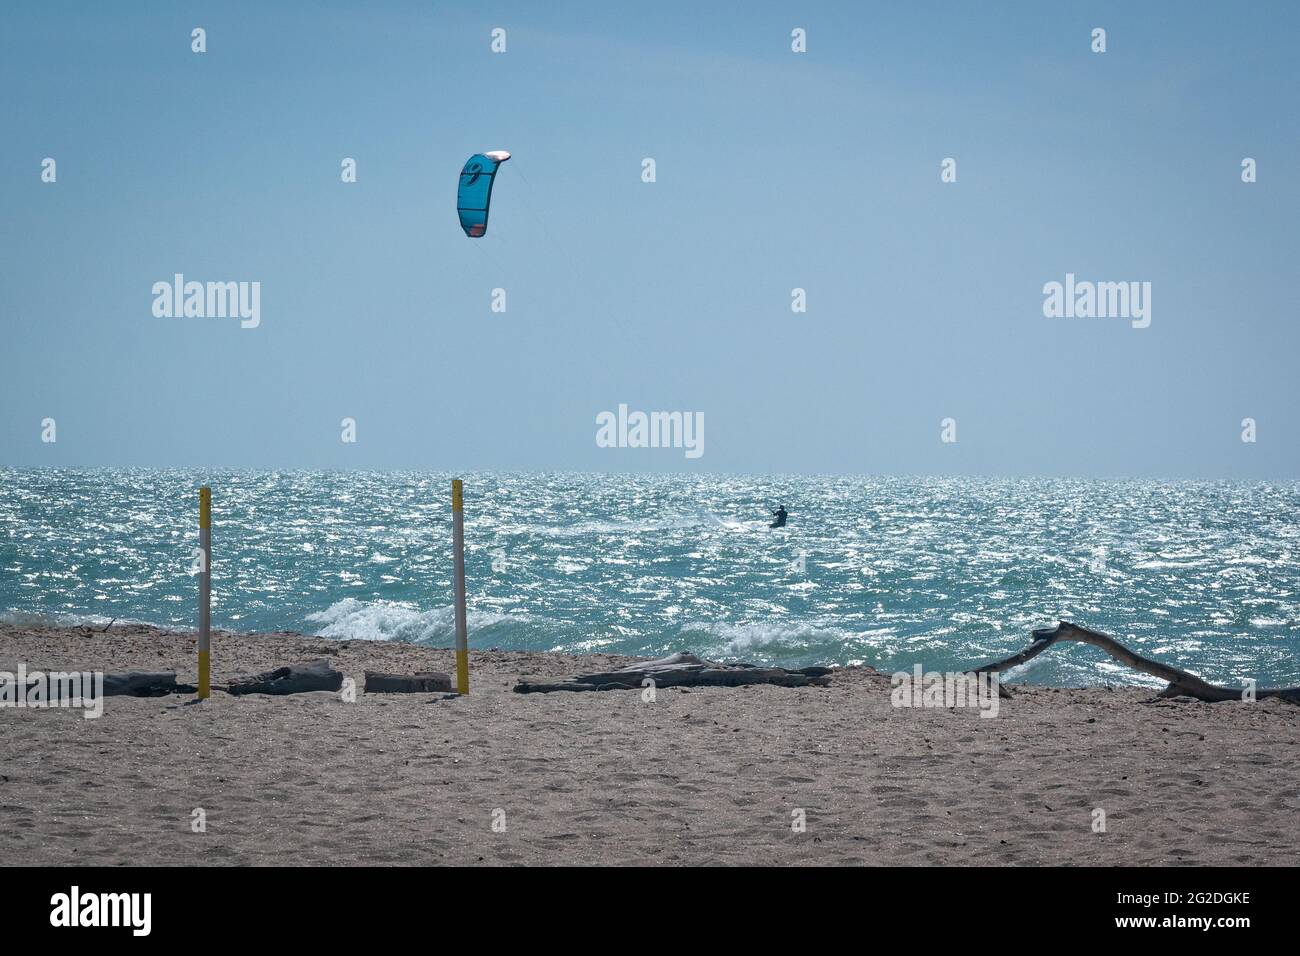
x=424 y=682
x=131 y=684
x=1181 y=683
x=144 y=685
x=684 y=670
x=297 y=679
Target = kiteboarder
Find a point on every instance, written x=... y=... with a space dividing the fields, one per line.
x=780 y=515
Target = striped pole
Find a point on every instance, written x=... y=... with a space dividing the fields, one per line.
x=458 y=558
x=205 y=593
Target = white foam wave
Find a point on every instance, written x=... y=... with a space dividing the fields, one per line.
x=738 y=639
x=353 y=620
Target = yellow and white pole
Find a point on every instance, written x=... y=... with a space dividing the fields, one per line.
x=458 y=559
x=205 y=593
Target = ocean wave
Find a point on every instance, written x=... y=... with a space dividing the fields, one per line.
x=777 y=639
x=623 y=526
x=354 y=620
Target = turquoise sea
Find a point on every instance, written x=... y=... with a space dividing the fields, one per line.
x=945 y=572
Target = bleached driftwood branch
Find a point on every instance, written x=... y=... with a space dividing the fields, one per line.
x=1181 y=683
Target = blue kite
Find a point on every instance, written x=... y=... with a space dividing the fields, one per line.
x=475 y=193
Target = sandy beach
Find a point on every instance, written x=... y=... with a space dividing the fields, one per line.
x=700 y=776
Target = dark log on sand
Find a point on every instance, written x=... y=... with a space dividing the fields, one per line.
x=144 y=685
x=131 y=684
x=684 y=670
x=424 y=682
x=297 y=679
x=1181 y=683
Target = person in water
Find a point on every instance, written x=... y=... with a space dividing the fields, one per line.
x=780 y=515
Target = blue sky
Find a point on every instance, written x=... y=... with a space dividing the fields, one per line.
x=775 y=170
